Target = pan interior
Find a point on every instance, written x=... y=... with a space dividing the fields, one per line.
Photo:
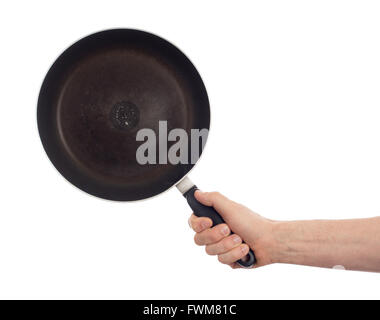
x=96 y=97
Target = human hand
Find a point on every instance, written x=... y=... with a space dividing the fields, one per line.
x=250 y=231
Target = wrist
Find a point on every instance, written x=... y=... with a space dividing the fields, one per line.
x=280 y=249
x=270 y=244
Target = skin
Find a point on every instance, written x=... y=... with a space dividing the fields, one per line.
x=353 y=244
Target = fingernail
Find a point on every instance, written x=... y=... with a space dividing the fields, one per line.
x=236 y=239
x=244 y=248
x=225 y=230
x=188 y=221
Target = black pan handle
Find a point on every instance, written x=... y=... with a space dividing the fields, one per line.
x=201 y=210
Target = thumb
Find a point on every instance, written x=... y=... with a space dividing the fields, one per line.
x=214 y=199
x=235 y=215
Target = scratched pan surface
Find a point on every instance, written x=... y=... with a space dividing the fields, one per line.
x=99 y=93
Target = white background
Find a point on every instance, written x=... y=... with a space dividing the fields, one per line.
x=294 y=89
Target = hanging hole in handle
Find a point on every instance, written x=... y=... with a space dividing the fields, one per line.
x=248 y=261
x=245 y=258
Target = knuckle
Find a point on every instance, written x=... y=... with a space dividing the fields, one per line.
x=221 y=259
x=193 y=223
x=222 y=246
x=215 y=194
x=209 y=250
x=225 y=246
x=197 y=240
x=214 y=235
x=203 y=224
x=195 y=226
x=237 y=255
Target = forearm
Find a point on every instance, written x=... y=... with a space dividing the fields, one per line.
x=354 y=244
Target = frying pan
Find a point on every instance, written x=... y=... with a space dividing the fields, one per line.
x=96 y=97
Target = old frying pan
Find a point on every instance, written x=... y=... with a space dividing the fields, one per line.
x=99 y=93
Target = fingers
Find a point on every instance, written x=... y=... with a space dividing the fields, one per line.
x=204 y=233
x=218 y=240
x=199 y=224
x=213 y=235
x=224 y=245
x=221 y=203
x=234 y=255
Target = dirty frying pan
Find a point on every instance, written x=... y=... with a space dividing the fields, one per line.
x=100 y=93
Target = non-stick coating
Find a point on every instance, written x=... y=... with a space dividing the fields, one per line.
x=85 y=88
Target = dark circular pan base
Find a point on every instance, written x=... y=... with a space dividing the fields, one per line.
x=99 y=93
